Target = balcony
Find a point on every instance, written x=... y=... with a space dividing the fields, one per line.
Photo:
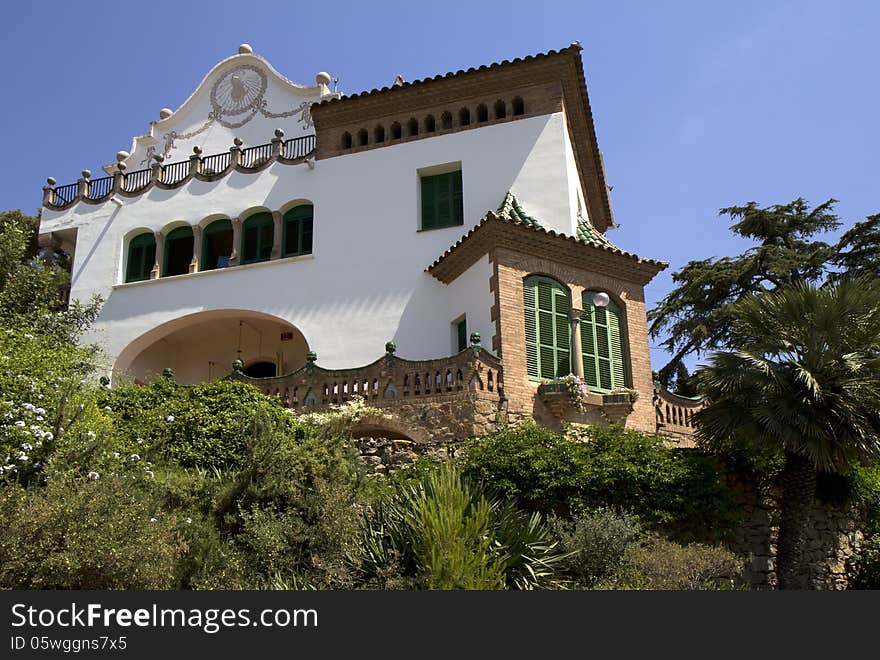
x=174 y=175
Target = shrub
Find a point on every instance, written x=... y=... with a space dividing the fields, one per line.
x=204 y=425
x=104 y=533
x=594 y=467
x=666 y=565
x=595 y=544
x=863 y=569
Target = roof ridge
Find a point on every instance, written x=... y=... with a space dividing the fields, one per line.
x=574 y=46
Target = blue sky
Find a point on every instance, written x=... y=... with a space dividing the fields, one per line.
x=698 y=105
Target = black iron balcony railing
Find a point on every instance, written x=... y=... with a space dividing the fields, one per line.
x=206 y=168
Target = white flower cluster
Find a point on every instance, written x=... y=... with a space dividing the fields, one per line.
x=25 y=424
x=348 y=413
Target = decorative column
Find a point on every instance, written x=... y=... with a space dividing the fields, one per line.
x=196 y=263
x=236 y=241
x=156 y=273
x=278 y=225
x=577 y=356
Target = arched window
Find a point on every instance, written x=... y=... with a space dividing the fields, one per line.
x=216 y=245
x=482 y=113
x=548 y=346
x=379 y=134
x=346 y=140
x=430 y=124
x=602 y=345
x=500 y=109
x=178 y=251
x=519 y=108
x=464 y=117
x=141 y=257
x=363 y=137
x=297 y=235
x=396 y=131
x=257 y=233
x=446 y=121
x=413 y=126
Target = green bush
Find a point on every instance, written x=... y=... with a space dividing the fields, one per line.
x=104 y=533
x=672 y=489
x=863 y=570
x=666 y=565
x=204 y=425
x=595 y=543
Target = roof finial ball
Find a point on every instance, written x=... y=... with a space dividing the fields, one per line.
x=245 y=49
x=121 y=156
x=165 y=113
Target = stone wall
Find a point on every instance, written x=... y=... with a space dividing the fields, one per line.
x=833 y=537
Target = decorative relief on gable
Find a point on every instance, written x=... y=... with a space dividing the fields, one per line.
x=236 y=98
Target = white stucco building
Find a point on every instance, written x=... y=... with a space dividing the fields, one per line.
x=263 y=220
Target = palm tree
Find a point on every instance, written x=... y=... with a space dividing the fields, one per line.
x=805 y=378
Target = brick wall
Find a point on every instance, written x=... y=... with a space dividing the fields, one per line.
x=510 y=268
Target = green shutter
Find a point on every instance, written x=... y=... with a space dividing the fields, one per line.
x=601 y=345
x=141 y=257
x=258 y=232
x=442 y=201
x=429 y=200
x=548 y=343
x=461 y=330
x=529 y=300
x=614 y=332
x=297 y=234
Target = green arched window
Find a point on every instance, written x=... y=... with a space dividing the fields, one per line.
x=216 y=245
x=548 y=345
x=602 y=345
x=257 y=231
x=178 y=251
x=297 y=234
x=141 y=257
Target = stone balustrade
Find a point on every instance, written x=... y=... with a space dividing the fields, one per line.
x=674 y=414
x=437 y=400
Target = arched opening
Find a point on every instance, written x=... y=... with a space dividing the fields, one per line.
x=430 y=124
x=379 y=134
x=202 y=347
x=446 y=121
x=297 y=233
x=546 y=304
x=258 y=230
x=412 y=126
x=216 y=245
x=482 y=113
x=346 y=140
x=141 y=257
x=261 y=369
x=178 y=251
x=500 y=109
x=519 y=107
x=464 y=117
x=396 y=130
x=363 y=137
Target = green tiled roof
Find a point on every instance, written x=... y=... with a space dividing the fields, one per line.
x=587 y=232
x=511 y=210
